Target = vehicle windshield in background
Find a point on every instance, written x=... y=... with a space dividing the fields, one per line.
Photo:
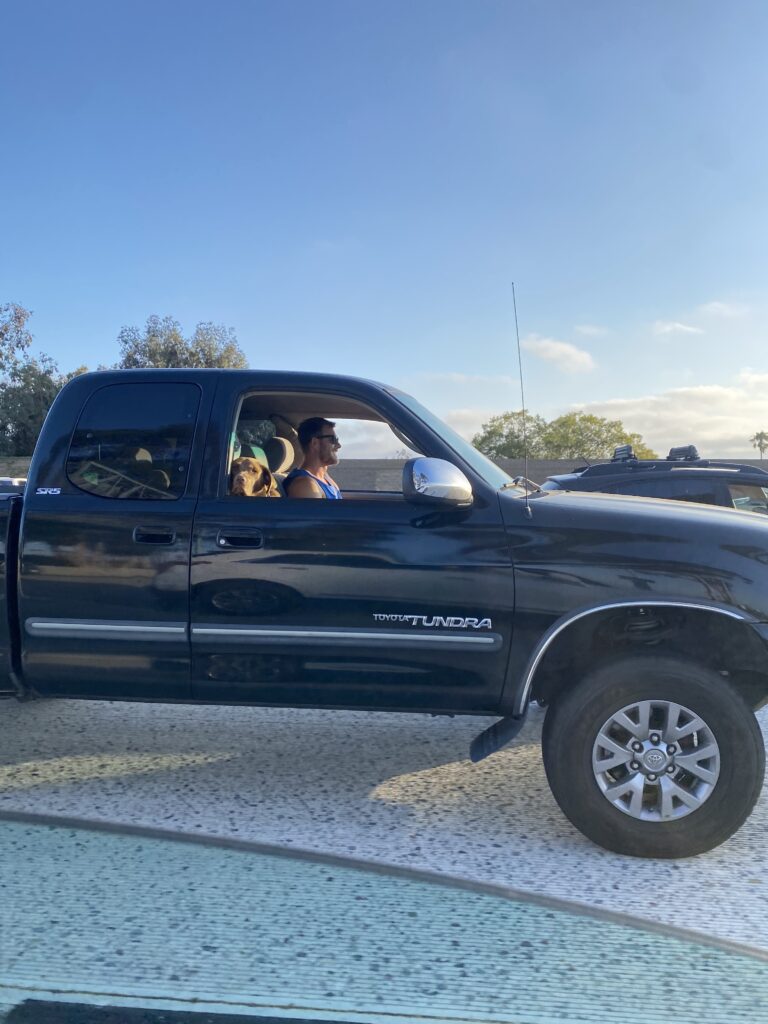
x=131 y=917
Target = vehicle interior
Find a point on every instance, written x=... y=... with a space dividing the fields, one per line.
x=126 y=469
x=266 y=428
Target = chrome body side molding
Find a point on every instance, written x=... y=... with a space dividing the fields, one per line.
x=300 y=635
x=92 y=629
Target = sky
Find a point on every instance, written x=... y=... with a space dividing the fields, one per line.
x=353 y=186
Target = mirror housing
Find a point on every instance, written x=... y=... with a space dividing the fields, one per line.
x=435 y=482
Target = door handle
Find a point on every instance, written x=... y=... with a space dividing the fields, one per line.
x=237 y=537
x=153 y=535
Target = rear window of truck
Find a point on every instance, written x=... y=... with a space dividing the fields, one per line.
x=134 y=441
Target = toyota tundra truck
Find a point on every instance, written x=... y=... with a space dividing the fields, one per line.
x=132 y=573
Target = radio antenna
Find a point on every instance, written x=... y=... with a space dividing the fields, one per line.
x=528 y=512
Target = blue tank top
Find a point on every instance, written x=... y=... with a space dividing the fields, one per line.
x=329 y=490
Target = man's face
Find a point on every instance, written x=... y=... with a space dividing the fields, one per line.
x=328 y=446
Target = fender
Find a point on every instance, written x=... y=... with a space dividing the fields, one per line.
x=565 y=621
x=506 y=729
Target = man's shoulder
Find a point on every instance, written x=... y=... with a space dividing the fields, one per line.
x=302 y=484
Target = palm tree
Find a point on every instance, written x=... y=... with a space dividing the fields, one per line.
x=760 y=441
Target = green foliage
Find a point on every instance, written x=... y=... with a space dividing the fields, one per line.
x=571 y=436
x=760 y=441
x=26 y=393
x=15 y=338
x=586 y=436
x=162 y=343
x=502 y=436
x=28 y=384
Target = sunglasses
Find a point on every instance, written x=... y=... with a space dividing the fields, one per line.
x=329 y=437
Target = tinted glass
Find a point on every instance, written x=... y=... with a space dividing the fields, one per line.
x=663 y=486
x=134 y=440
x=749 y=497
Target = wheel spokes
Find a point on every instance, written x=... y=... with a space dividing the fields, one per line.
x=633 y=789
x=618 y=755
x=692 y=763
x=672 y=795
x=639 y=728
x=656 y=760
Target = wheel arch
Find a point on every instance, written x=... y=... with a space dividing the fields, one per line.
x=720 y=636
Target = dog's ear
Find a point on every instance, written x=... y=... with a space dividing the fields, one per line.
x=273 y=491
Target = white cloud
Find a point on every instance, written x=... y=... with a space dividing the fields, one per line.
x=718 y=419
x=468 y=422
x=729 y=310
x=563 y=354
x=591 y=330
x=674 y=327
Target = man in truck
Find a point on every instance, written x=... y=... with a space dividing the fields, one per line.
x=320 y=446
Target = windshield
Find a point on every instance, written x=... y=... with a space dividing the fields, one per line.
x=492 y=473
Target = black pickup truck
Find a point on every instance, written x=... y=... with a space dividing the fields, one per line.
x=131 y=572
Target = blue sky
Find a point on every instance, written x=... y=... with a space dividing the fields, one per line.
x=353 y=186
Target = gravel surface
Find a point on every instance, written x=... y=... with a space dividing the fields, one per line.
x=392 y=788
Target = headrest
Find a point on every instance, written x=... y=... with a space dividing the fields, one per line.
x=255 y=432
x=133 y=454
x=280 y=454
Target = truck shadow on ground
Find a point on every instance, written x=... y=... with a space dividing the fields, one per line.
x=210 y=764
x=380 y=783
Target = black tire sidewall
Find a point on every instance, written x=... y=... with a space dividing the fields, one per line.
x=572 y=725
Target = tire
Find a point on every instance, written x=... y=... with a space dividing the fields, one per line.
x=698 y=797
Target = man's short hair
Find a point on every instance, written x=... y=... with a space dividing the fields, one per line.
x=311 y=428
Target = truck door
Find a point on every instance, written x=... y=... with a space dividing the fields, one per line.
x=370 y=601
x=104 y=561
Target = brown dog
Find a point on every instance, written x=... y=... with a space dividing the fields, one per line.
x=249 y=479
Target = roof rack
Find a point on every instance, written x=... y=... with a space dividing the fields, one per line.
x=685 y=453
x=624 y=453
x=683 y=458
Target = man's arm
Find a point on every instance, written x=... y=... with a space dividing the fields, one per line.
x=304 y=487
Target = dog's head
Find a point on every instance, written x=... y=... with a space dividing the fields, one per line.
x=249 y=479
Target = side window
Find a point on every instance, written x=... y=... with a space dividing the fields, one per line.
x=749 y=497
x=371 y=457
x=366 y=458
x=705 y=492
x=665 y=486
x=644 y=488
x=134 y=441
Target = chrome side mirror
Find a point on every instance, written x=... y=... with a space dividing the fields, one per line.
x=436 y=482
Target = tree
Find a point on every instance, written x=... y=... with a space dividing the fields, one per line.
x=26 y=393
x=502 y=435
x=586 y=436
x=760 y=441
x=15 y=337
x=163 y=344
x=571 y=436
x=28 y=384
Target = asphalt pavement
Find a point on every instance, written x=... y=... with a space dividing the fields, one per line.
x=397 y=789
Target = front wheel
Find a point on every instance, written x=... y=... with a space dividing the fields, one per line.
x=654 y=757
